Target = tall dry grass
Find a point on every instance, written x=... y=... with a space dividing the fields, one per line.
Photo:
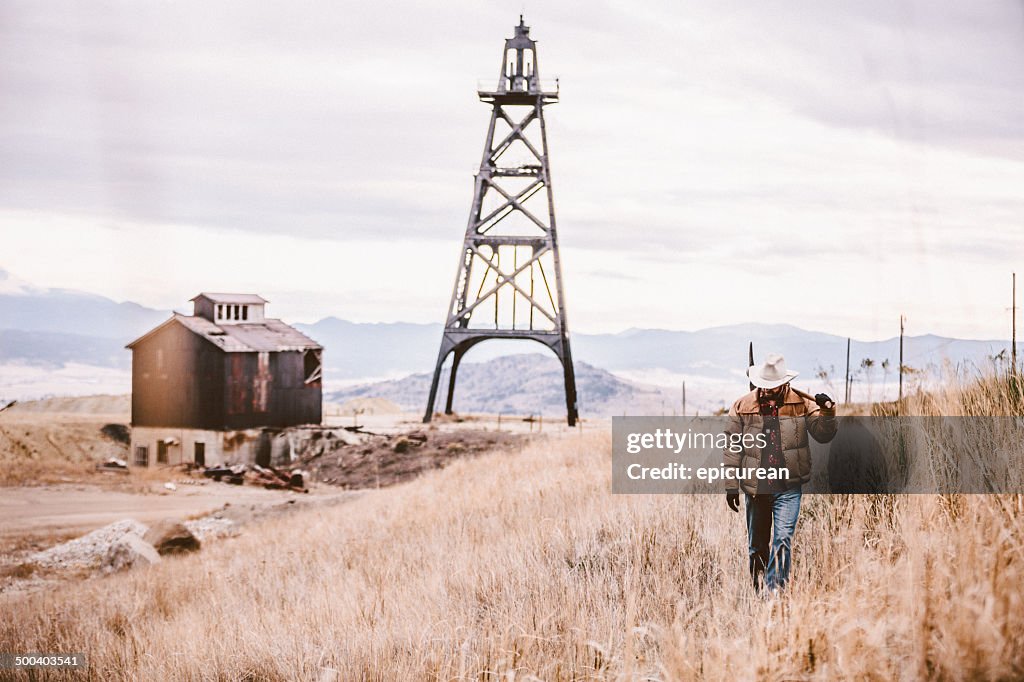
x=526 y=567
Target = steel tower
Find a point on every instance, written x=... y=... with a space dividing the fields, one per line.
x=509 y=279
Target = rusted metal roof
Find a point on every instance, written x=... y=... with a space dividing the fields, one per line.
x=250 y=299
x=267 y=335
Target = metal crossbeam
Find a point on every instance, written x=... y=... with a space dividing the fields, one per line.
x=514 y=203
x=503 y=279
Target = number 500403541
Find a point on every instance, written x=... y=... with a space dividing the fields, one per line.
x=34 y=660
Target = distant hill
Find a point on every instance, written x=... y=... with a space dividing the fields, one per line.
x=61 y=311
x=46 y=330
x=721 y=352
x=374 y=350
x=93 y=404
x=521 y=385
x=718 y=353
x=53 y=349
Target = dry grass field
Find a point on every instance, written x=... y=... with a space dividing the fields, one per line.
x=525 y=567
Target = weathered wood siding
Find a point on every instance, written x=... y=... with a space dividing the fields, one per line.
x=182 y=380
x=177 y=380
x=270 y=391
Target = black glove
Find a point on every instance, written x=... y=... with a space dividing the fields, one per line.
x=733 y=500
x=824 y=402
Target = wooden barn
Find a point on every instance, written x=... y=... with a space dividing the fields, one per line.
x=212 y=386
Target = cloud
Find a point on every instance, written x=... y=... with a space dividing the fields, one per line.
x=689 y=135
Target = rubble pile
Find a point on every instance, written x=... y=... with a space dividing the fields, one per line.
x=268 y=477
x=379 y=460
x=115 y=464
x=94 y=549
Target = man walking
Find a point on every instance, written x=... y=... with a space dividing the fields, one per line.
x=783 y=416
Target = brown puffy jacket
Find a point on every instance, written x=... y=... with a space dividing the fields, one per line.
x=797 y=416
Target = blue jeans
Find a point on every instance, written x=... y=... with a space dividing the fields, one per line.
x=770 y=552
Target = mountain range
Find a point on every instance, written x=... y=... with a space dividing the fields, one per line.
x=49 y=329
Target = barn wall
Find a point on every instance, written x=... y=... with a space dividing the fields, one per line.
x=177 y=380
x=218 y=447
x=268 y=389
x=263 y=446
x=292 y=401
x=182 y=446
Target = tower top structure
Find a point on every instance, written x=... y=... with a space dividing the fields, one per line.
x=519 y=78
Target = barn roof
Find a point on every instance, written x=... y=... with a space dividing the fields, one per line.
x=268 y=335
x=252 y=299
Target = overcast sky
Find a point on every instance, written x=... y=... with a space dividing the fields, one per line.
x=826 y=164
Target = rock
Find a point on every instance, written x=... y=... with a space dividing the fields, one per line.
x=170 y=486
x=90 y=550
x=209 y=527
x=172 y=537
x=128 y=552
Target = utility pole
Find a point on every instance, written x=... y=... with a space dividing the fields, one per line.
x=1013 y=346
x=900 y=401
x=684 y=399
x=846 y=382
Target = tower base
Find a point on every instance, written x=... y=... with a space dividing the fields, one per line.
x=459 y=341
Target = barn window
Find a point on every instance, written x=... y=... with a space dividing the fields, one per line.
x=161 y=452
x=236 y=311
x=312 y=367
x=142 y=455
x=220 y=311
x=200 y=454
x=245 y=312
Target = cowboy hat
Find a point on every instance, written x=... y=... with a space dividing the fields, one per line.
x=770 y=374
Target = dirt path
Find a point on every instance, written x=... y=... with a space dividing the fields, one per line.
x=62 y=510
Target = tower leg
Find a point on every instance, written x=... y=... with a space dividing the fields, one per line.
x=456 y=358
x=565 y=355
x=433 y=384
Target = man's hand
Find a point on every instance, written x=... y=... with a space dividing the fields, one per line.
x=733 y=500
x=824 y=402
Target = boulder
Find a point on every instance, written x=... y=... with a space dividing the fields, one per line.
x=129 y=551
x=171 y=537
